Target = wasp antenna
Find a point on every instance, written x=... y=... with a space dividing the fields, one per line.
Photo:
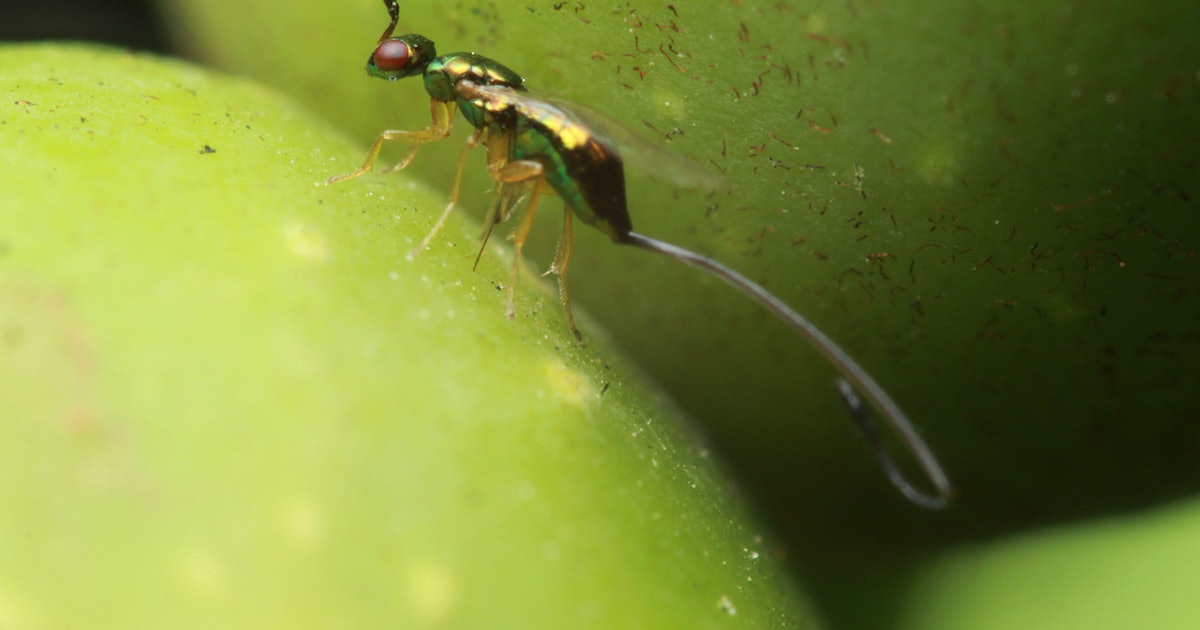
x=853 y=377
x=393 y=9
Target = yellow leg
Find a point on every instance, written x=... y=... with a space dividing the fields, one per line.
x=472 y=141
x=521 y=173
x=519 y=236
x=562 y=260
x=506 y=197
x=443 y=116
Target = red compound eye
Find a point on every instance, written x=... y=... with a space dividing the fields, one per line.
x=392 y=55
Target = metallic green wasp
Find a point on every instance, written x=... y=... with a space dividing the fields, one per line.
x=533 y=143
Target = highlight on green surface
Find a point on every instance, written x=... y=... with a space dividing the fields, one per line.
x=229 y=400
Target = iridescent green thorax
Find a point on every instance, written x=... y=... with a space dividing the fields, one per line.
x=443 y=73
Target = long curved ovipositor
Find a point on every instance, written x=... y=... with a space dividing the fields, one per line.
x=533 y=143
x=851 y=373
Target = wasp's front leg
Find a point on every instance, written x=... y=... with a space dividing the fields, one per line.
x=442 y=113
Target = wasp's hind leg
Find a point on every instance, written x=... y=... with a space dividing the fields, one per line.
x=517 y=178
x=472 y=142
x=562 y=260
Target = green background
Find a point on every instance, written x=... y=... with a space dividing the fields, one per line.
x=990 y=206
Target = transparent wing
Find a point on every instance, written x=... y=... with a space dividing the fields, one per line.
x=643 y=154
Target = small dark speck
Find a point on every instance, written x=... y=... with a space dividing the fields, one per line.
x=604 y=389
x=1103 y=311
x=207 y=149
